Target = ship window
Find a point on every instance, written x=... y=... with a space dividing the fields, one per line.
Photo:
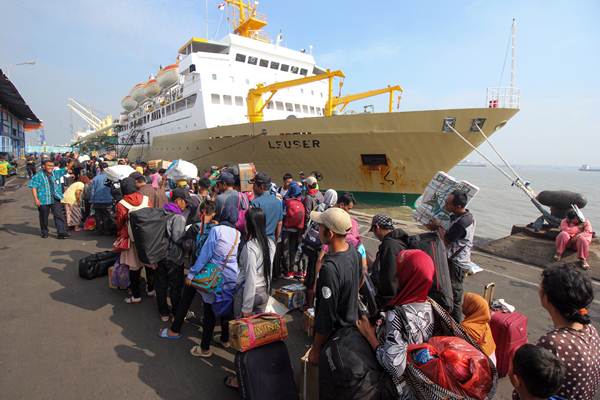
x=252 y=60
x=318 y=110
x=305 y=109
x=294 y=70
x=180 y=105
x=297 y=107
x=191 y=100
x=312 y=109
x=303 y=71
x=373 y=159
x=285 y=67
x=279 y=105
x=240 y=57
x=270 y=105
x=214 y=77
x=274 y=65
x=264 y=63
x=227 y=100
x=239 y=101
x=289 y=107
x=215 y=98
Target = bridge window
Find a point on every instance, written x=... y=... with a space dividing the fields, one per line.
x=215 y=98
x=274 y=65
x=279 y=105
x=264 y=63
x=285 y=67
x=252 y=60
x=294 y=70
x=240 y=57
x=239 y=101
x=227 y=100
x=289 y=107
x=303 y=71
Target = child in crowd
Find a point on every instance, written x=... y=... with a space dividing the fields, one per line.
x=536 y=373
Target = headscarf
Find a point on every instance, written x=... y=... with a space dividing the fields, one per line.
x=414 y=271
x=330 y=198
x=228 y=214
x=172 y=208
x=128 y=186
x=477 y=321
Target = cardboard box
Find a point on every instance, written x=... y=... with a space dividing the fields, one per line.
x=309 y=379
x=309 y=321
x=292 y=296
x=247 y=172
x=249 y=333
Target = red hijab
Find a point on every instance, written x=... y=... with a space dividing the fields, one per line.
x=414 y=271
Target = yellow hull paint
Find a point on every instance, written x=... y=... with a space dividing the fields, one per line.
x=412 y=141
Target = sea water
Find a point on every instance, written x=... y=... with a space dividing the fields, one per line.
x=498 y=206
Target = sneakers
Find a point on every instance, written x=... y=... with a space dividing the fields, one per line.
x=133 y=300
x=151 y=293
x=289 y=275
x=300 y=275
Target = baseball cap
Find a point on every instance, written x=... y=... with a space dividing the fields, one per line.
x=180 y=193
x=311 y=180
x=261 y=178
x=226 y=178
x=382 y=221
x=335 y=219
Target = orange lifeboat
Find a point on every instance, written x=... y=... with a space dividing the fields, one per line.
x=152 y=88
x=128 y=103
x=168 y=76
x=139 y=92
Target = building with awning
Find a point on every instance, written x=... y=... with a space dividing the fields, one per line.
x=15 y=118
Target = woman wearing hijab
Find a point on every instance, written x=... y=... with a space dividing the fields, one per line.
x=132 y=200
x=477 y=323
x=220 y=248
x=408 y=319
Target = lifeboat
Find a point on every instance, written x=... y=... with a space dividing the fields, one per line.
x=168 y=76
x=128 y=103
x=139 y=92
x=152 y=88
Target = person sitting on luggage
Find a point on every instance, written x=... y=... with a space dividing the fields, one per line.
x=536 y=373
x=383 y=270
x=414 y=273
x=132 y=200
x=477 y=323
x=220 y=248
x=576 y=234
x=337 y=282
x=566 y=293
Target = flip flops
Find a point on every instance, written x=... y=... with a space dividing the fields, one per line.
x=164 y=333
x=197 y=351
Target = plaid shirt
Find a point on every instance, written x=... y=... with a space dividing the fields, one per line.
x=41 y=184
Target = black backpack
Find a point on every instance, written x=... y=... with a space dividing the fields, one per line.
x=149 y=228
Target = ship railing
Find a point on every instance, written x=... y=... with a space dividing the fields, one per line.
x=503 y=97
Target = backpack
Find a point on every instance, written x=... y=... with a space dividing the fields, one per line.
x=130 y=208
x=294 y=215
x=311 y=236
x=149 y=229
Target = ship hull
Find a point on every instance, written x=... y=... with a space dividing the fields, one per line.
x=382 y=157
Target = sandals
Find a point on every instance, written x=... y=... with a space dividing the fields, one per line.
x=197 y=351
x=164 y=333
x=584 y=264
x=133 y=300
x=231 y=382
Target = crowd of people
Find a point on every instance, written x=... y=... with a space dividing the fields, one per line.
x=298 y=230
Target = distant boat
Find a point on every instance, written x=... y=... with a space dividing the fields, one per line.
x=589 y=168
x=469 y=163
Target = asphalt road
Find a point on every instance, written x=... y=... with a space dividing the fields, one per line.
x=67 y=338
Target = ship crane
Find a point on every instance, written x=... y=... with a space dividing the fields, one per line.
x=334 y=102
x=255 y=101
x=85 y=114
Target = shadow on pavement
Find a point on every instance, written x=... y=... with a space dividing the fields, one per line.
x=25 y=228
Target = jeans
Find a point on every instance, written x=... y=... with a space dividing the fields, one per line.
x=102 y=216
x=208 y=326
x=457 y=277
x=59 y=217
x=134 y=282
x=168 y=282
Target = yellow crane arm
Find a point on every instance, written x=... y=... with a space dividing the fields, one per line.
x=255 y=101
x=343 y=101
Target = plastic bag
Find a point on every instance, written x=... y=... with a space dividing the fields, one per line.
x=90 y=223
x=181 y=169
x=455 y=365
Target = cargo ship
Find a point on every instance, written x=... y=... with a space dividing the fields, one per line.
x=246 y=98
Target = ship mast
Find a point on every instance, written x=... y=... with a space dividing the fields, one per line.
x=513 y=62
x=247 y=22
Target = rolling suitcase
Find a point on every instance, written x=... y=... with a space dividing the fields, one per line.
x=510 y=332
x=266 y=373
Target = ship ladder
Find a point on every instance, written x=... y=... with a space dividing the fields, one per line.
x=131 y=139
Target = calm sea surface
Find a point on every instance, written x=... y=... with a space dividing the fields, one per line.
x=498 y=205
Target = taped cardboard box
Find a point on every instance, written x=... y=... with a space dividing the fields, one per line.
x=257 y=330
x=292 y=296
x=247 y=172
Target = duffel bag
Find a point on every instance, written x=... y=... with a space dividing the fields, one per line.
x=96 y=265
x=149 y=228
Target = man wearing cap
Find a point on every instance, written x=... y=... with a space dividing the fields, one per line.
x=313 y=196
x=227 y=193
x=269 y=203
x=338 y=281
x=383 y=270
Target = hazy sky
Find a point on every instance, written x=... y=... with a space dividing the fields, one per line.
x=444 y=54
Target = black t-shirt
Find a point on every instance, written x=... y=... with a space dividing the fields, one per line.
x=337 y=291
